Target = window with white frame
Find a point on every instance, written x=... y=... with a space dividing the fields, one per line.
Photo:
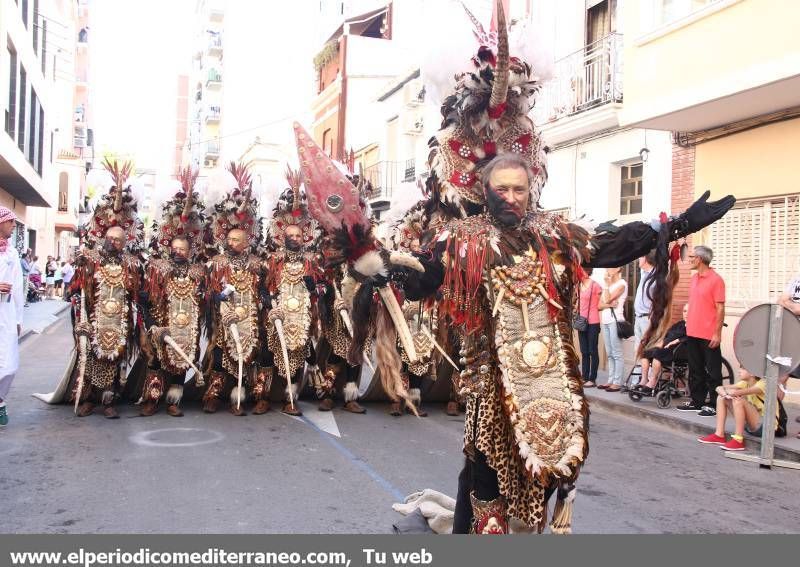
x=757 y=249
x=630 y=190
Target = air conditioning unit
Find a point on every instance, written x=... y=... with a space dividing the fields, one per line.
x=78 y=142
x=414 y=93
x=412 y=123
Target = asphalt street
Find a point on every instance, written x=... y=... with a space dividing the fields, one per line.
x=333 y=473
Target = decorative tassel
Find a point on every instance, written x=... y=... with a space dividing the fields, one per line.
x=562 y=514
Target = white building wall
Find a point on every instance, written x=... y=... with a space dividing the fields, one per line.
x=584 y=176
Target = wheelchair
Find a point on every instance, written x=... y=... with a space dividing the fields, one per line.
x=673 y=380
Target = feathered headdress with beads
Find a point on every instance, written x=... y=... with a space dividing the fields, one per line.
x=180 y=215
x=291 y=209
x=236 y=206
x=484 y=116
x=117 y=208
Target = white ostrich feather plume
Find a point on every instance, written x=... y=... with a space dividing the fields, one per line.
x=220 y=183
x=163 y=193
x=449 y=44
x=404 y=196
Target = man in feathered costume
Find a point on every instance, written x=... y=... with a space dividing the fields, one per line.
x=107 y=281
x=422 y=322
x=174 y=298
x=294 y=274
x=235 y=288
x=506 y=274
x=336 y=324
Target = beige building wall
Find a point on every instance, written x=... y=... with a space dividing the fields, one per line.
x=729 y=47
x=755 y=163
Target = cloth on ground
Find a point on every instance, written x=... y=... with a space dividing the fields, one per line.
x=437 y=508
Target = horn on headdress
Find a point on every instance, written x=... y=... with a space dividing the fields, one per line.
x=294 y=178
x=188 y=178
x=242 y=175
x=119 y=177
x=500 y=85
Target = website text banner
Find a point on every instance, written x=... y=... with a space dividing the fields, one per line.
x=371 y=550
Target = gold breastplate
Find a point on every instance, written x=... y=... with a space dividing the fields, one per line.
x=111 y=312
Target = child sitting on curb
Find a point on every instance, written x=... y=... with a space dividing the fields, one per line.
x=746 y=400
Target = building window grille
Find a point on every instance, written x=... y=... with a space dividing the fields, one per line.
x=630 y=202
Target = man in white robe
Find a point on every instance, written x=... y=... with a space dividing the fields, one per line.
x=11 y=302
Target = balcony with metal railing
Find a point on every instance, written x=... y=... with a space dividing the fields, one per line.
x=214 y=79
x=214 y=45
x=213 y=114
x=585 y=92
x=211 y=149
x=384 y=176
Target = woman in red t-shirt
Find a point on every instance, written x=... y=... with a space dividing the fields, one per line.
x=589 y=298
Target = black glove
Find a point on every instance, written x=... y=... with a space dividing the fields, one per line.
x=311 y=285
x=701 y=214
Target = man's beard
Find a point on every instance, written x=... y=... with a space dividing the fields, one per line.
x=110 y=249
x=293 y=246
x=231 y=250
x=178 y=259
x=504 y=213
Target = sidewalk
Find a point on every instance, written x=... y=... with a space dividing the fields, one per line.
x=786 y=448
x=38 y=316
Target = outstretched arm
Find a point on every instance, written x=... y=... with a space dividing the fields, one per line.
x=614 y=246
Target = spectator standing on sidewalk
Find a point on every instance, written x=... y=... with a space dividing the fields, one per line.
x=589 y=299
x=11 y=303
x=59 y=276
x=642 y=302
x=67 y=271
x=704 y=332
x=50 y=277
x=26 y=263
x=612 y=301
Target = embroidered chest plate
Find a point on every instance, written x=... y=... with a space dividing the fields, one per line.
x=544 y=413
x=111 y=312
x=295 y=300
x=183 y=314
x=243 y=302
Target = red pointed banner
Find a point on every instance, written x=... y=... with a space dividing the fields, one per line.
x=332 y=199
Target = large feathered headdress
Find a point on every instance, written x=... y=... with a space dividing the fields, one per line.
x=117 y=207
x=180 y=215
x=486 y=115
x=236 y=206
x=292 y=209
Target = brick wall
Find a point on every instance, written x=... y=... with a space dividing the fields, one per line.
x=683 y=160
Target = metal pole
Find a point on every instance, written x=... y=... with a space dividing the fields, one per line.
x=771 y=378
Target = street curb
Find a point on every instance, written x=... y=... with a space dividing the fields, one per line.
x=661 y=417
x=28 y=332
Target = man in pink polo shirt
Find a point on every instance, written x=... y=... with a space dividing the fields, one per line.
x=704 y=332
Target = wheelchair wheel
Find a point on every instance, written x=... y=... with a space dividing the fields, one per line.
x=663 y=399
x=727 y=372
x=634 y=395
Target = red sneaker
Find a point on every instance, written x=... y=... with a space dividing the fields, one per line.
x=733 y=445
x=712 y=439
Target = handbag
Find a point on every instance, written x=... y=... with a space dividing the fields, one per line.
x=579 y=322
x=624 y=329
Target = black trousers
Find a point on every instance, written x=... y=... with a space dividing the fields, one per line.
x=705 y=371
x=477 y=478
x=590 y=359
